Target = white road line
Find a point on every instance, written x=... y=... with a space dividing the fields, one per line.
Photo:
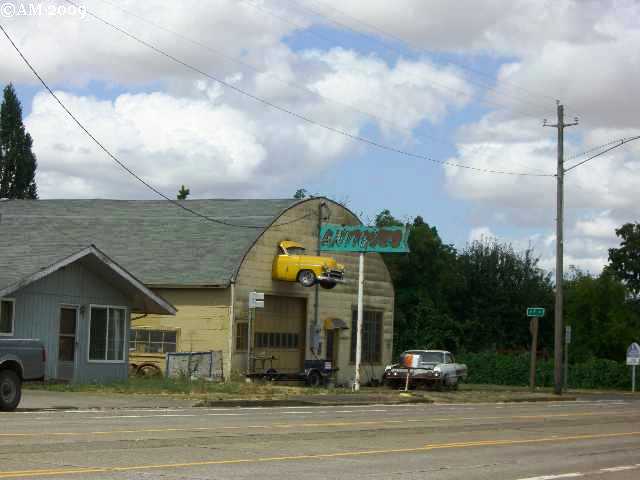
x=554 y=477
x=109 y=417
x=619 y=469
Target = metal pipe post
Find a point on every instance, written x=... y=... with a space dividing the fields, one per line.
x=534 y=352
x=356 y=382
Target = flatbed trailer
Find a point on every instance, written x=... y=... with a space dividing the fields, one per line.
x=316 y=373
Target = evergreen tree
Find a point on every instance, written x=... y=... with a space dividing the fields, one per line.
x=183 y=193
x=17 y=161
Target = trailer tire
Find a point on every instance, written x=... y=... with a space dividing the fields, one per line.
x=148 y=371
x=10 y=390
x=314 y=379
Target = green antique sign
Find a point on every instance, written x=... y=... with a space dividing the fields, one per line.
x=360 y=238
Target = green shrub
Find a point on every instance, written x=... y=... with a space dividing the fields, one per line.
x=503 y=369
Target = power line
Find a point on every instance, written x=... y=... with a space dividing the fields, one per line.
x=432 y=83
x=288 y=83
x=120 y=163
x=273 y=75
x=299 y=116
x=392 y=36
x=412 y=45
x=618 y=143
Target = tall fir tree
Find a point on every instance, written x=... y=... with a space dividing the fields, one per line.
x=17 y=162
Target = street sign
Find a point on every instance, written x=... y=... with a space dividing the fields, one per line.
x=535 y=312
x=360 y=238
x=633 y=354
x=363 y=240
x=567 y=334
x=256 y=300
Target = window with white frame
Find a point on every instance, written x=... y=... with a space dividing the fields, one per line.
x=7 y=310
x=107 y=334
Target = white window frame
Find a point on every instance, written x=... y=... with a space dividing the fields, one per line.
x=13 y=317
x=125 y=336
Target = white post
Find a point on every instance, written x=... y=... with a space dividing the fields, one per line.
x=356 y=383
x=633 y=379
x=249 y=328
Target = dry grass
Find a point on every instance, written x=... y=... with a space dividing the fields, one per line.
x=241 y=391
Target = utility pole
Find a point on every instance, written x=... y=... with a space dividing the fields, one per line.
x=559 y=321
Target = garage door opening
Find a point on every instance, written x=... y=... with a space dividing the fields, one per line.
x=280 y=332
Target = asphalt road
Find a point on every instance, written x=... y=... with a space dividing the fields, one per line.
x=592 y=440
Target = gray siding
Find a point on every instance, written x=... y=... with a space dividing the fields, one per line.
x=38 y=311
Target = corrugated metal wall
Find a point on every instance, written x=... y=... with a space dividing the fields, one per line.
x=38 y=313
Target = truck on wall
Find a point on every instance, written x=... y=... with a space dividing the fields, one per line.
x=20 y=361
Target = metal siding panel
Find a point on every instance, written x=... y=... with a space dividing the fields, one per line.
x=37 y=316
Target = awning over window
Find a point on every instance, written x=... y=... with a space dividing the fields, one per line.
x=335 y=324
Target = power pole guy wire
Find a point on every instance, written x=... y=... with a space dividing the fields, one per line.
x=618 y=143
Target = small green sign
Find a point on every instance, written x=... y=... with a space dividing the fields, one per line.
x=535 y=312
x=360 y=238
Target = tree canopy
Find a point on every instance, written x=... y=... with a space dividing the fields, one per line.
x=624 y=261
x=475 y=299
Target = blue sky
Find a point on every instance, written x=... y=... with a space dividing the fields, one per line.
x=479 y=79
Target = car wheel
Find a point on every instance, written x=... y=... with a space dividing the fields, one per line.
x=314 y=379
x=453 y=384
x=307 y=278
x=328 y=285
x=10 y=390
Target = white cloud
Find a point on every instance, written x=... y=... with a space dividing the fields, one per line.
x=86 y=49
x=601 y=226
x=185 y=129
x=167 y=140
x=403 y=94
x=480 y=233
x=216 y=141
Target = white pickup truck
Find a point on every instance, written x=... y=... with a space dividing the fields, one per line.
x=434 y=368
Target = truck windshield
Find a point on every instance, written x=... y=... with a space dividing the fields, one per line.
x=431 y=357
x=295 y=251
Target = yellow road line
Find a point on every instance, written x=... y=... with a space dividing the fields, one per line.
x=425 y=448
x=317 y=424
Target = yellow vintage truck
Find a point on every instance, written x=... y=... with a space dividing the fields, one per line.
x=292 y=264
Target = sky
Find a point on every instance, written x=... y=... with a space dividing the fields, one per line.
x=440 y=85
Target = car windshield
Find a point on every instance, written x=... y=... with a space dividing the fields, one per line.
x=430 y=357
x=295 y=251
